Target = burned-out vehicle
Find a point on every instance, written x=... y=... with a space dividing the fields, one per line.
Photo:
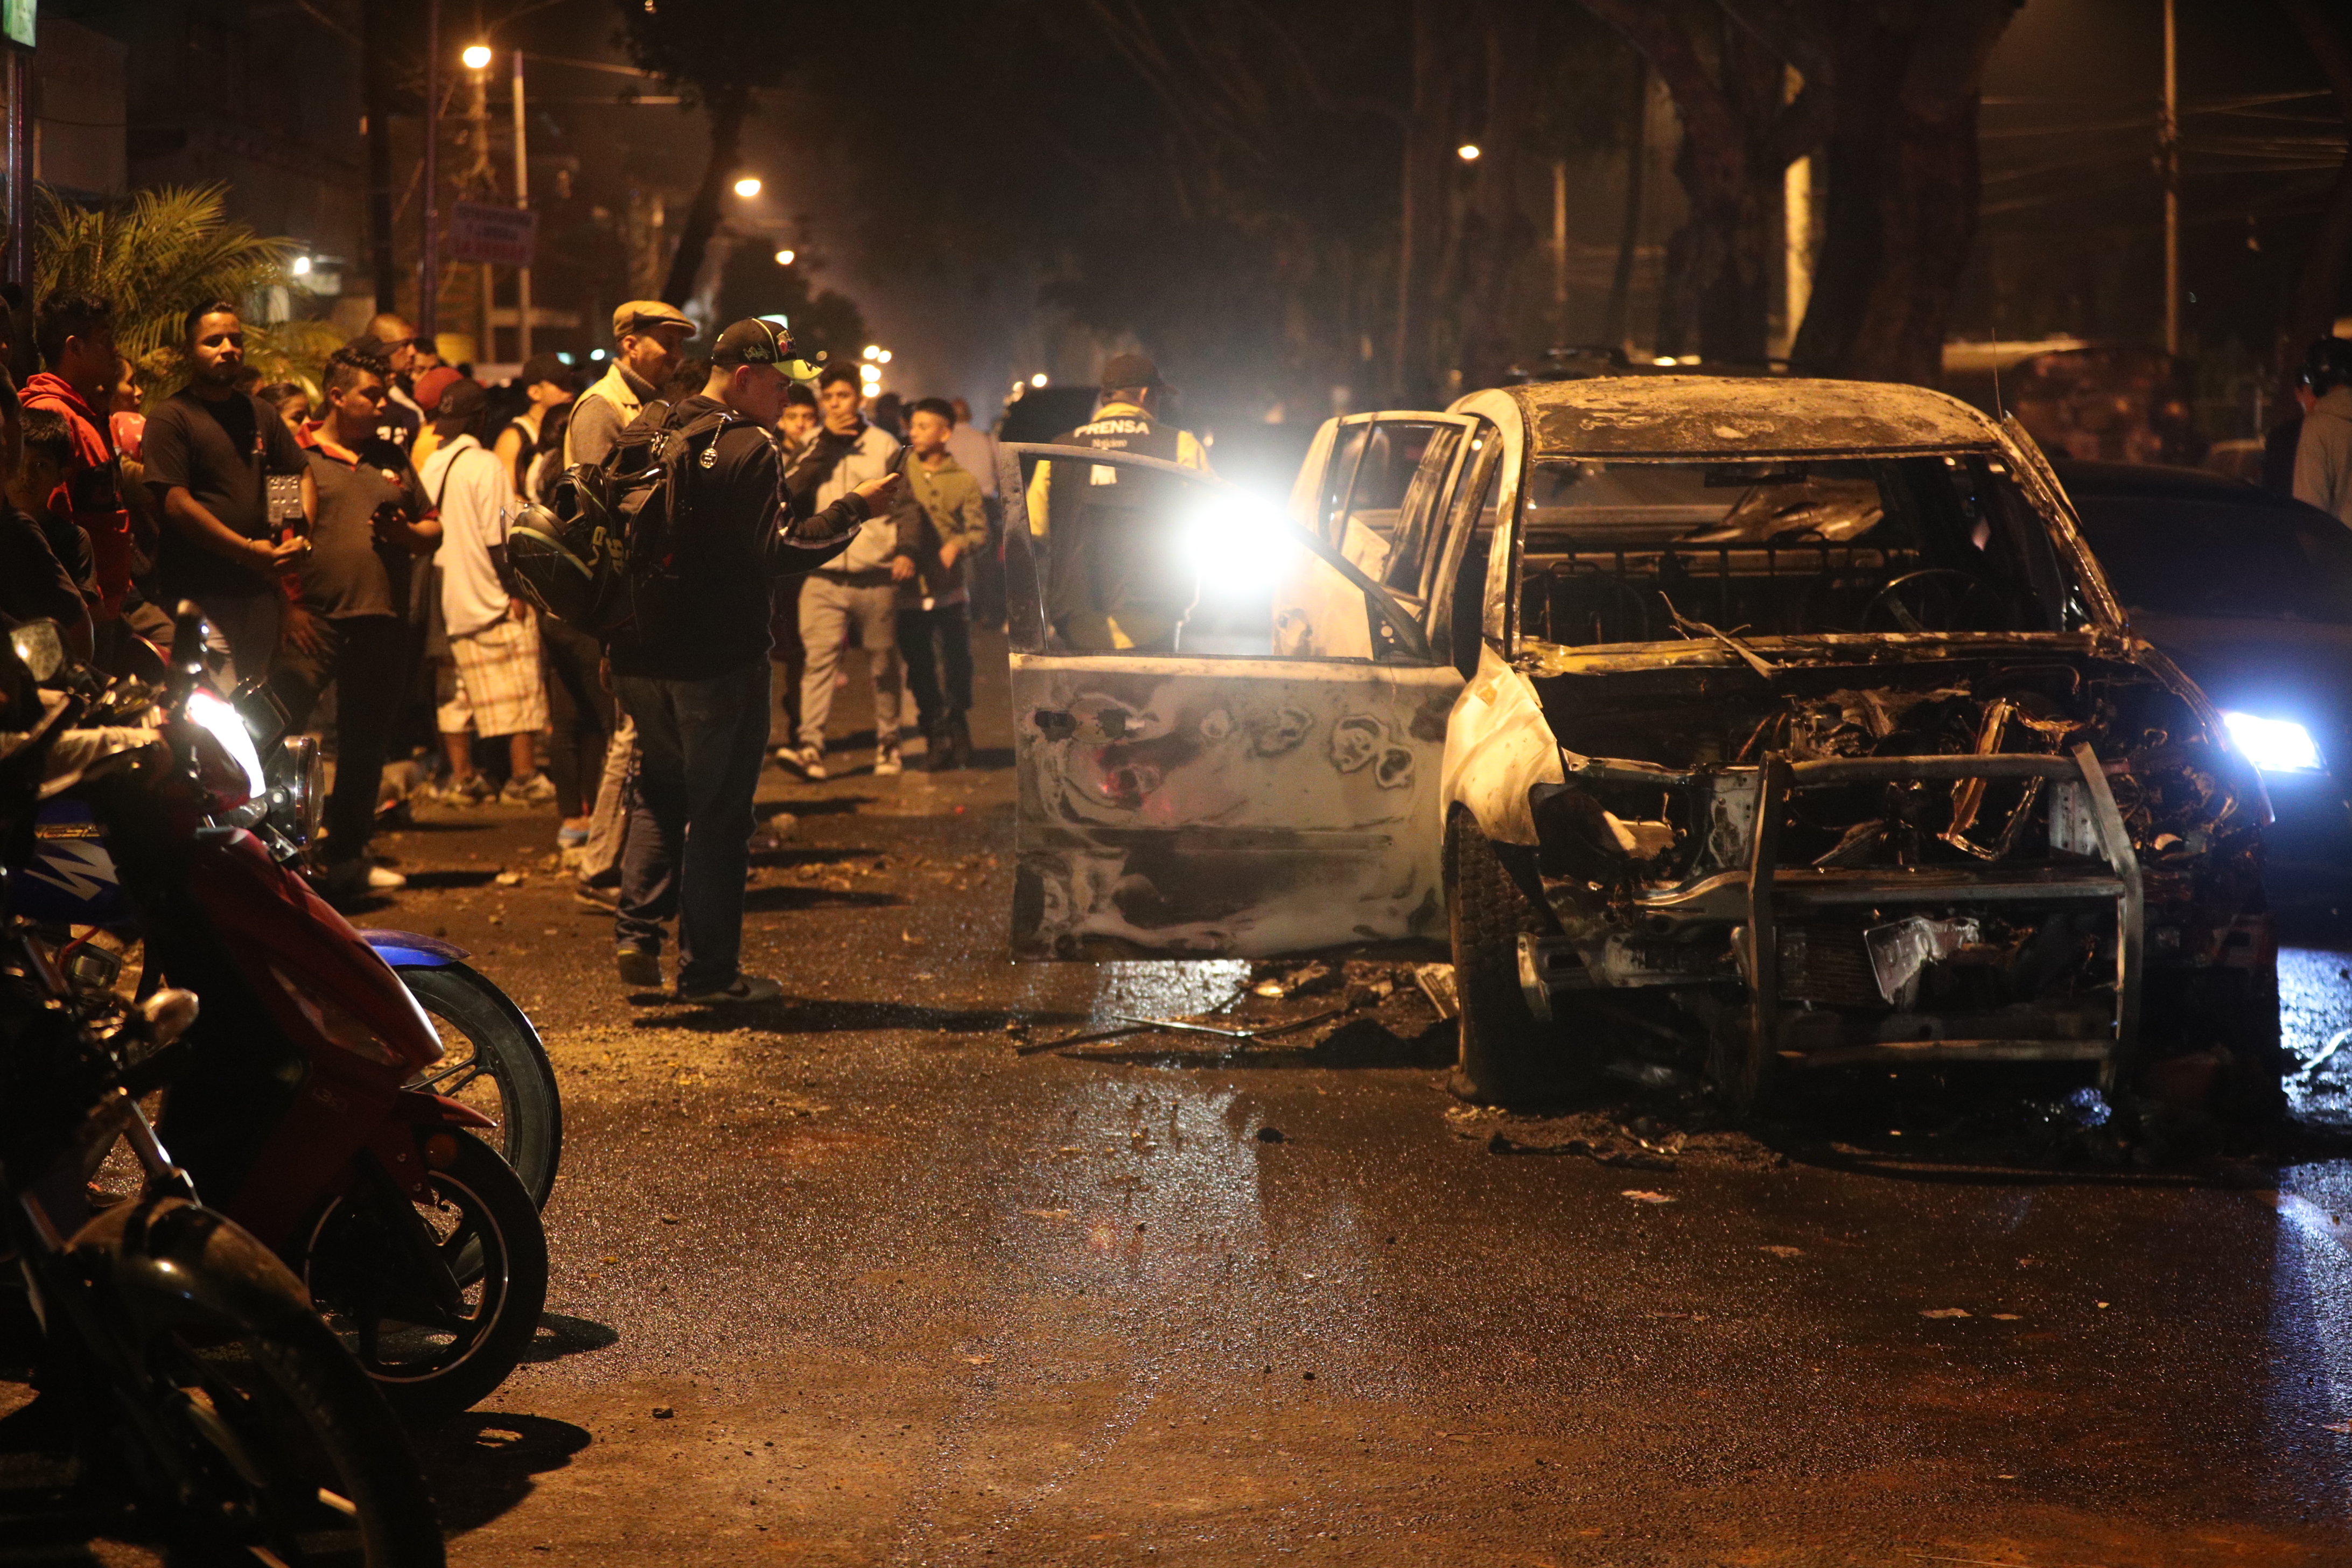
x=1750 y=727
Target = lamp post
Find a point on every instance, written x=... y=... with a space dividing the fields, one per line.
x=429 y=274
x=522 y=204
x=482 y=183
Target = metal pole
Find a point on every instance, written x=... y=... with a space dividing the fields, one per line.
x=2171 y=151
x=1560 y=249
x=481 y=185
x=522 y=204
x=428 y=270
x=20 y=166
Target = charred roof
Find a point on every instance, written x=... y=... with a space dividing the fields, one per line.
x=1728 y=417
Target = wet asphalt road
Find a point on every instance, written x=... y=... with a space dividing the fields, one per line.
x=847 y=1281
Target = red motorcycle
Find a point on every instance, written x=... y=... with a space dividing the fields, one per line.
x=420 y=1245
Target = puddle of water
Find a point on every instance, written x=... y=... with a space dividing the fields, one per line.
x=1168 y=989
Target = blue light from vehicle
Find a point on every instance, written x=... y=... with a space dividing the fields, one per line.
x=2274 y=745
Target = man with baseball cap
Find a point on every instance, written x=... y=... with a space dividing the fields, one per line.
x=692 y=670
x=493 y=638
x=1113 y=578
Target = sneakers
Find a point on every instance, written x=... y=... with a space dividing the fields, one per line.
x=347 y=880
x=746 y=988
x=535 y=790
x=639 y=967
x=570 y=838
x=886 y=762
x=807 y=761
x=471 y=790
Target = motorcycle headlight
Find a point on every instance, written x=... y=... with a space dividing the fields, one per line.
x=295 y=795
x=2274 y=745
x=212 y=714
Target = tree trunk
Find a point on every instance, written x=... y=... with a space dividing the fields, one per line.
x=727 y=112
x=2320 y=289
x=1904 y=187
x=1629 y=238
x=1495 y=233
x=1718 y=290
x=375 y=105
x=1422 y=229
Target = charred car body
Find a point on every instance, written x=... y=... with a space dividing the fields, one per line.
x=1755 y=726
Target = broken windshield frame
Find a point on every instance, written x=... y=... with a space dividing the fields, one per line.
x=1623 y=550
x=1031 y=629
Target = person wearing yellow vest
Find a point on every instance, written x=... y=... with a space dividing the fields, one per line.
x=1116 y=577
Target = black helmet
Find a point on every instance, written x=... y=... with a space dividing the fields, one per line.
x=2327 y=364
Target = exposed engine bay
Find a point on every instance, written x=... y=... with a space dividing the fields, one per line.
x=1910 y=918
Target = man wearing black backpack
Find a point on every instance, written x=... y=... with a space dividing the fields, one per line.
x=692 y=669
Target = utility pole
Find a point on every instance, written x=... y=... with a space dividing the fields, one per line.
x=1560 y=249
x=522 y=204
x=428 y=271
x=2170 y=153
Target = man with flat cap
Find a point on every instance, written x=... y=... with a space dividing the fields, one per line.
x=648 y=336
x=692 y=669
x=647 y=342
x=1116 y=577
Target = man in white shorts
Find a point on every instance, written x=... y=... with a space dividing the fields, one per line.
x=493 y=641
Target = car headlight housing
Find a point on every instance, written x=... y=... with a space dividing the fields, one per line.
x=2274 y=745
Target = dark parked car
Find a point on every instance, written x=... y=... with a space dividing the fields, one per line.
x=2251 y=594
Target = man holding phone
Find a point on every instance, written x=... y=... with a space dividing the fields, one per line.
x=211 y=452
x=369 y=520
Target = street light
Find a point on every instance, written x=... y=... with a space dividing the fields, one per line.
x=873 y=351
x=302 y=267
x=784 y=258
x=1038 y=379
x=749 y=185
x=477 y=55
x=1467 y=152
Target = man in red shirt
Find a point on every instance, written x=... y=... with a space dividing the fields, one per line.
x=75 y=333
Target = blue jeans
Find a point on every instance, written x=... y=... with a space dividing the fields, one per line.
x=699 y=747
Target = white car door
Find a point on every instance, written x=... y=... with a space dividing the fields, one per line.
x=1242 y=803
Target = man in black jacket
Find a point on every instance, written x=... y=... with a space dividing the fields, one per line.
x=692 y=671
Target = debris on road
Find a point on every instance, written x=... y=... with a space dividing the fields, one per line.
x=1946 y=1312
x=1641 y=1197
x=511 y=878
x=1436 y=983
x=1783 y=1251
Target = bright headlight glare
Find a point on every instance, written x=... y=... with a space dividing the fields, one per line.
x=217 y=718
x=1238 y=547
x=2274 y=745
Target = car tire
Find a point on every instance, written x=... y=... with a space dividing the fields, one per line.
x=1507 y=1055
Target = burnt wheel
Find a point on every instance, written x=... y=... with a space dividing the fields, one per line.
x=1507 y=1055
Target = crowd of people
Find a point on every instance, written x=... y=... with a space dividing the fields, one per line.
x=347 y=541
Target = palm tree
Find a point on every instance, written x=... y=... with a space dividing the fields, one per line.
x=161 y=254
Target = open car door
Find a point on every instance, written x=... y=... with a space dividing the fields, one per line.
x=1233 y=802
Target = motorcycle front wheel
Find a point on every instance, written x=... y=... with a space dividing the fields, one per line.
x=278 y=1449
x=496 y=1064
x=439 y=1304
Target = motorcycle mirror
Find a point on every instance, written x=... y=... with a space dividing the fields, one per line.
x=265 y=716
x=189 y=635
x=39 y=648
